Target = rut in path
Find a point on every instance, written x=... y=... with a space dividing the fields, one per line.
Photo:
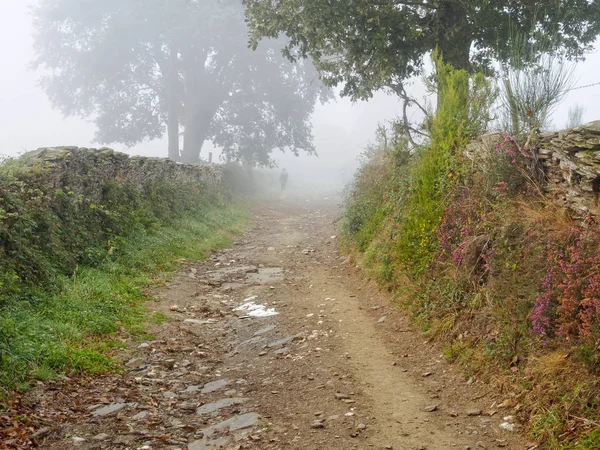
x=276 y=344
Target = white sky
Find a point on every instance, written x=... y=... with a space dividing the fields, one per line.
x=27 y=121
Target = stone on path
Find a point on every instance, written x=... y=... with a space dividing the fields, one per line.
x=209 y=445
x=281 y=342
x=200 y=322
x=214 y=386
x=317 y=424
x=233 y=424
x=264 y=330
x=210 y=408
x=192 y=389
x=140 y=415
x=110 y=409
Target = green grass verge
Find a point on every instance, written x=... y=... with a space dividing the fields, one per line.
x=74 y=329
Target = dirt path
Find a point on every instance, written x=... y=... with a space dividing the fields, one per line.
x=336 y=368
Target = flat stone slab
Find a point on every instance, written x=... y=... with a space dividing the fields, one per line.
x=214 y=386
x=211 y=408
x=281 y=342
x=200 y=322
x=264 y=330
x=250 y=343
x=233 y=424
x=206 y=444
x=111 y=409
x=266 y=275
x=140 y=415
x=192 y=389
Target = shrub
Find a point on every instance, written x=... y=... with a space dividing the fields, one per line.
x=461 y=115
x=569 y=306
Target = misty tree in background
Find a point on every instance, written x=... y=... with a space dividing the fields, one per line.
x=372 y=45
x=143 y=69
x=575 y=116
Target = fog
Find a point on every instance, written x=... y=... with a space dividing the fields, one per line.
x=341 y=128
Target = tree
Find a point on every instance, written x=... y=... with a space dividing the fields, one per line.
x=370 y=45
x=575 y=117
x=143 y=69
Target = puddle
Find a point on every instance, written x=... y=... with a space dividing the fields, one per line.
x=254 y=309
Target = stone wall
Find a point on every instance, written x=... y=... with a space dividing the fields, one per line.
x=571 y=162
x=87 y=169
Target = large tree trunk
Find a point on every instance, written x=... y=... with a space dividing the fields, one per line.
x=196 y=132
x=453 y=34
x=173 y=101
x=203 y=97
x=199 y=115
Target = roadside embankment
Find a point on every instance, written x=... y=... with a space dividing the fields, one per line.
x=493 y=247
x=82 y=233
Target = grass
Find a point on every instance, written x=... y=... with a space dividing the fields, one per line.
x=75 y=329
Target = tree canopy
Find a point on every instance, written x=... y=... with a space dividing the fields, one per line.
x=368 y=45
x=143 y=69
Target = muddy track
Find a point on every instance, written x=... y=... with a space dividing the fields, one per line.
x=317 y=358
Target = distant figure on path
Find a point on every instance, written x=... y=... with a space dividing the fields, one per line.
x=283 y=179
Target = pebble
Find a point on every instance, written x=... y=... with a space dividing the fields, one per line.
x=135 y=363
x=140 y=415
x=101 y=437
x=340 y=396
x=431 y=408
x=474 y=412
x=507 y=426
x=318 y=424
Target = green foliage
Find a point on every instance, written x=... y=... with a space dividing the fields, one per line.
x=462 y=114
x=72 y=268
x=375 y=190
x=366 y=46
x=64 y=330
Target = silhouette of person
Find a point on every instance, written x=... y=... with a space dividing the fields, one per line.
x=283 y=179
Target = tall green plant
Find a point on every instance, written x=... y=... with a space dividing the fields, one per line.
x=462 y=113
x=531 y=92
